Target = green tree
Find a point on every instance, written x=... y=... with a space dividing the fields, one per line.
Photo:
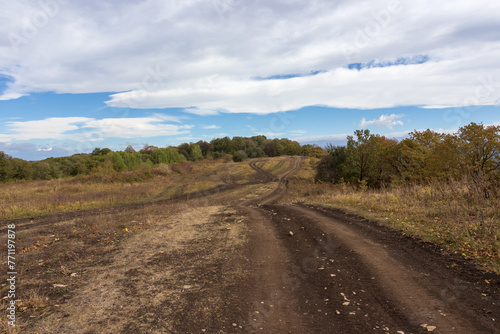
x=117 y=161
x=41 y=170
x=195 y=153
x=239 y=156
x=101 y=151
x=158 y=156
x=363 y=154
x=290 y=147
x=20 y=169
x=4 y=167
x=332 y=167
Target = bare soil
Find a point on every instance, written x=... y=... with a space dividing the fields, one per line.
x=232 y=260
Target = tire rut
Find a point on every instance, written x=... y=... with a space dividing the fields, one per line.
x=348 y=275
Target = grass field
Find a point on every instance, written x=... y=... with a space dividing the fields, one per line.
x=57 y=254
x=36 y=198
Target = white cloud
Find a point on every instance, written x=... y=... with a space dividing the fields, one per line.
x=85 y=129
x=297 y=132
x=50 y=128
x=388 y=121
x=204 y=56
x=210 y=127
x=153 y=126
x=323 y=138
x=271 y=134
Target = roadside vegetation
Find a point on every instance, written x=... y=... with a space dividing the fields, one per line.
x=443 y=188
x=103 y=161
x=100 y=190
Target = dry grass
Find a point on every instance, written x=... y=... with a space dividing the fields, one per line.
x=36 y=198
x=46 y=197
x=452 y=214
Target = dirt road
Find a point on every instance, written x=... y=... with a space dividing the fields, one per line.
x=321 y=271
x=234 y=260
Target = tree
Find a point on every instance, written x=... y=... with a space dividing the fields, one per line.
x=362 y=156
x=147 y=149
x=195 y=154
x=41 y=171
x=290 y=147
x=21 y=169
x=273 y=148
x=332 y=167
x=99 y=151
x=205 y=147
x=158 y=156
x=239 y=156
x=130 y=149
x=479 y=147
x=117 y=160
x=4 y=167
x=258 y=140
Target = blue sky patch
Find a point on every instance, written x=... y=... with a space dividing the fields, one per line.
x=420 y=59
x=289 y=76
x=4 y=81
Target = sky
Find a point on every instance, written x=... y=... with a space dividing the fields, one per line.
x=75 y=75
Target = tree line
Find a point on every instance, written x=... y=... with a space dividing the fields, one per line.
x=104 y=160
x=376 y=161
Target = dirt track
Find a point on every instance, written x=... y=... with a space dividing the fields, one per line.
x=326 y=272
x=232 y=261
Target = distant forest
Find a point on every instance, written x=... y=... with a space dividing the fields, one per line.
x=368 y=160
x=106 y=161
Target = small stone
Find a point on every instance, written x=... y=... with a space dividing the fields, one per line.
x=290 y=233
x=431 y=328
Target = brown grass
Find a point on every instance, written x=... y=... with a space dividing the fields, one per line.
x=35 y=198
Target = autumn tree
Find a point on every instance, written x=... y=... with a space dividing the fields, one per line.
x=479 y=147
x=363 y=156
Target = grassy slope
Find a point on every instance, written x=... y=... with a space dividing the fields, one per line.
x=35 y=198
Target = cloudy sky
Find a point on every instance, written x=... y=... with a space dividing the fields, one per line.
x=75 y=75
